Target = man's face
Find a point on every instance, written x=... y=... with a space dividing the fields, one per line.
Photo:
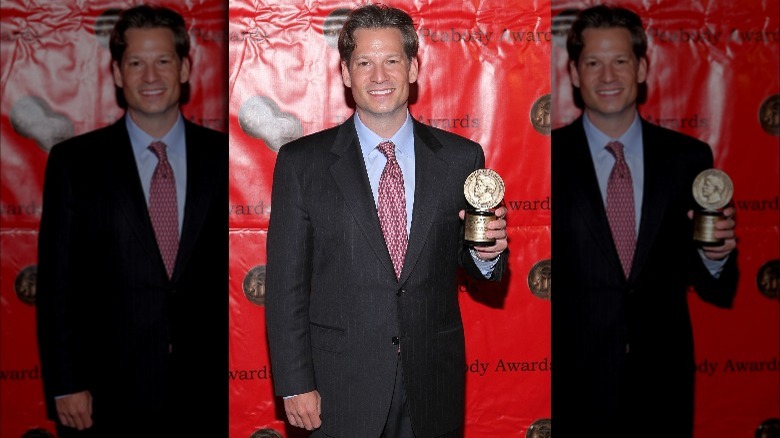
x=151 y=73
x=379 y=75
x=608 y=74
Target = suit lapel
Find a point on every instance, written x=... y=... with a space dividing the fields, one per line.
x=430 y=174
x=586 y=196
x=129 y=192
x=657 y=186
x=196 y=205
x=349 y=172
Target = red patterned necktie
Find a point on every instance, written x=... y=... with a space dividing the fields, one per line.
x=392 y=207
x=620 y=207
x=163 y=207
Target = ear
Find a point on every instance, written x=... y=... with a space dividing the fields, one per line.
x=574 y=75
x=641 y=73
x=117 y=73
x=345 y=77
x=413 y=70
x=184 y=72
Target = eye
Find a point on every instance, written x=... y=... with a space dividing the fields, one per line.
x=363 y=63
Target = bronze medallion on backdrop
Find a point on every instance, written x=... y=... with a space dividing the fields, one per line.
x=266 y=432
x=540 y=279
x=561 y=24
x=768 y=279
x=32 y=117
x=254 y=285
x=769 y=115
x=332 y=25
x=26 y=283
x=484 y=190
x=104 y=24
x=539 y=429
x=769 y=428
x=540 y=114
x=712 y=190
x=260 y=117
x=37 y=432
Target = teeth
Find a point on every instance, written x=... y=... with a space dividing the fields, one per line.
x=610 y=92
x=380 y=92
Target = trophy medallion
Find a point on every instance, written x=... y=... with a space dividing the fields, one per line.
x=712 y=190
x=484 y=190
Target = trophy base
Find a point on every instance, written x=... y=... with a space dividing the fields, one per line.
x=704 y=228
x=475 y=227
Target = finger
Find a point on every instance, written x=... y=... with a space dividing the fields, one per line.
x=64 y=419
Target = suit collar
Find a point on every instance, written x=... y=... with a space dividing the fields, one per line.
x=349 y=172
x=430 y=174
x=132 y=200
x=657 y=189
x=200 y=187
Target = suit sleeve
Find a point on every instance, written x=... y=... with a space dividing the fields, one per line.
x=55 y=298
x=465 y=258
x=718 y=291
x=288 y=280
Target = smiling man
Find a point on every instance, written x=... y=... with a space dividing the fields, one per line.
x=364 y=325
x=132 y=271
x=623 y=249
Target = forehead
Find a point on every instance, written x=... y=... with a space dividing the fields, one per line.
x=384 y=39
x=143 y=38
x=613 y=39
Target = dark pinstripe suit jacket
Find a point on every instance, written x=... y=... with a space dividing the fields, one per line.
x=333 y=304
x=597 y=314
x=106 y=310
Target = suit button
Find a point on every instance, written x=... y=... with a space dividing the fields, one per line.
x=396 y=341
x=400 y=292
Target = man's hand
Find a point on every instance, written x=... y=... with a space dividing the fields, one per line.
x=303 y=410
x=496 y=230
x=724 y=229
x=75 y=410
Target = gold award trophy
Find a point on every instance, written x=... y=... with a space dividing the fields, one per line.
x=712 y=190
x=484 y=190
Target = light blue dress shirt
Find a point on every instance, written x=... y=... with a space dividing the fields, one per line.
x=146 y=160
x=375 y=162
x=633 y=150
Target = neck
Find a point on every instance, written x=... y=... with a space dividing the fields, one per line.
x=157 y=125
x=383 y=125
x=612 y=125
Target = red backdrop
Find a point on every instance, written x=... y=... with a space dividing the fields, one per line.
x=56 y=82
x=485 y=73
x=715 y=74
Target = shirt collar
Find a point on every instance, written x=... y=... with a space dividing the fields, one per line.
x=140 y=140
x=403 y=138
x=597 y=140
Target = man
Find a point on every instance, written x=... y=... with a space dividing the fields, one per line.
x=365 y=344
x=622 y=341
x=132 y=315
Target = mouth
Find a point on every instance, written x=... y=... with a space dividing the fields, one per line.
x=612 y=92
x=383 y=92
x=152 y=93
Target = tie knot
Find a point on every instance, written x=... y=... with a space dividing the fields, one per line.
x=616 y=148
x=159 y=149
x=387 y=148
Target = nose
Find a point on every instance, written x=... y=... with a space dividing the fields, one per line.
x=378 y=74
x=150 y=73
x=607 y=73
